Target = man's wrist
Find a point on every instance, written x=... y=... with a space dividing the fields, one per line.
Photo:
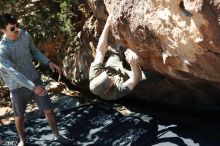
x=49 y=61
x=33 y=86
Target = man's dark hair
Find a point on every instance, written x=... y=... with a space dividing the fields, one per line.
x=6 y=19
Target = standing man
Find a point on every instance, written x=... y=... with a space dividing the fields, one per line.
x=17 y=50
x=111 y=80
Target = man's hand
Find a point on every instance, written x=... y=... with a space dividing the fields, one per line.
x=135 y=78
x=110 y=20
x=55 y=67
x=40 y=91
x=131 y=57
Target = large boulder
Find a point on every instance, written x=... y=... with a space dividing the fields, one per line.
x=178 y=39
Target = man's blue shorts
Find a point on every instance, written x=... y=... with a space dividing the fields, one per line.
x=21 y=96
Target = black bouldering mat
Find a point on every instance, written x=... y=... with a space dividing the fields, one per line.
x=99 y=125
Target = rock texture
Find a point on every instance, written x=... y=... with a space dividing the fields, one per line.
x=178 y=39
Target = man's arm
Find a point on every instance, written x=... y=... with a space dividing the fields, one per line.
x=102 y=44
x=7 y=70
x=136 y=75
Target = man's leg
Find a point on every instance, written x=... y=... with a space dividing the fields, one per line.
x=114 y=59
x=143 y=76
x=53 y=124
x=45 y=105
x=19 y=99
x=52 y=121
x=19 y=123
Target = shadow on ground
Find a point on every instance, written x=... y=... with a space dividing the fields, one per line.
x=101 y=125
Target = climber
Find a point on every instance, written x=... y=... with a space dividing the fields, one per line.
x=111 y=80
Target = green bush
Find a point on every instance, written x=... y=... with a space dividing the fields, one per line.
x=45 y=19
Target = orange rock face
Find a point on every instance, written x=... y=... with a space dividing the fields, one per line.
x=178 y=39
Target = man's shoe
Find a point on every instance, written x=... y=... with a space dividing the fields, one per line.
x=62 y=139
x=21 y=143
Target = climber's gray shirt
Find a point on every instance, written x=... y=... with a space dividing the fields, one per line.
x=16 y=67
